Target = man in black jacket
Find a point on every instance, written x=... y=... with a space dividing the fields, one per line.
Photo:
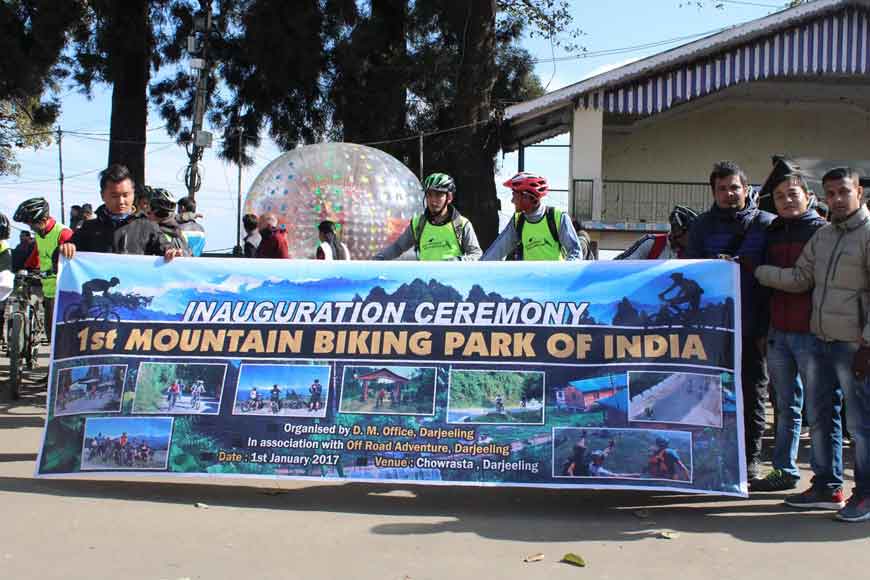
x=22 y=251
x=119 y=228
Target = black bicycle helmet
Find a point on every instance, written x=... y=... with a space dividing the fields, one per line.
x=662 y=441
x=31 y=211
x=4 y=227
x=161 y=199
x=682 y=217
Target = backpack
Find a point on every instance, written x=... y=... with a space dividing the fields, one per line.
x=658 y=467
x=550 y=215
x=659 y=243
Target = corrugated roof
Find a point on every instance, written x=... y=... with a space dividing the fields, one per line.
x=694 y=50
x=616 y=381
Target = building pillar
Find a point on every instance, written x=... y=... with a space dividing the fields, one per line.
x=587 y=147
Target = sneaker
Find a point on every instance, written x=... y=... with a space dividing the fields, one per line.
x=856 y=510
x=813 y=498
x=776 y=480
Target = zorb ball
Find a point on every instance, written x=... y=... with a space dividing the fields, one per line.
x=369 y=194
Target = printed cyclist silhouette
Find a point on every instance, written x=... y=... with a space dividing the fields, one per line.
x=97 y=285
x=688 y=293
x=99 y=303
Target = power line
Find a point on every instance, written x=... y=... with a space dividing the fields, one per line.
x=104 y=134
x=125 y=141
x=743 y=3
x=626 y=49
x=16 y=183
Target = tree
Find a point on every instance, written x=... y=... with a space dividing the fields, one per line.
x=471 y=68
x=22 y=126
x=370 y=75
x=405 y=68
x=117 y=45
x=382 y=70
x=269 y=60
x=34 y=33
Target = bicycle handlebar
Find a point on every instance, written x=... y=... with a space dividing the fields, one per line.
x=32 y=276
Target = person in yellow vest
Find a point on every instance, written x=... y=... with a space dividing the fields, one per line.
x=440 y=232
x=50 y=234
x=536 y=232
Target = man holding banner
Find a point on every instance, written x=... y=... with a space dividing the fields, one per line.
x=734 y=228
x=536 y=232
x=119 y=228
x=440 y=232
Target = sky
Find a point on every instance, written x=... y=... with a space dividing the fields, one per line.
x=608 y=25
x=296 y=377
x=133 y=427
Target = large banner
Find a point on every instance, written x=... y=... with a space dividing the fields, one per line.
x=574 y=374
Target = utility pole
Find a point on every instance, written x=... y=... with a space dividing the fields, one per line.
x=238 y=249
x=421 y=157
x=199 y=139
x=60 y=169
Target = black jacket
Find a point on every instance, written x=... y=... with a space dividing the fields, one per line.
x=20 y=255
x=172 y=232
x=134 y=234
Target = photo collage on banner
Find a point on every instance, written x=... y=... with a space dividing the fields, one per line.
x=588 y=376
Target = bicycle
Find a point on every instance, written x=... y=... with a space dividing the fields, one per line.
x=23 y=328
x=673 y=315
x=251 y=405
x=294 y=403
x=101 y=309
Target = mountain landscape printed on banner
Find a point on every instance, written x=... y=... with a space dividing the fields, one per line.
x=620 y=286
x=224 y=290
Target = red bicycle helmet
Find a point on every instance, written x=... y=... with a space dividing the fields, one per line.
x=530 y=183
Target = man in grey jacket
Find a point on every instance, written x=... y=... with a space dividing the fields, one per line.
x=835 y=263
x=440 y=232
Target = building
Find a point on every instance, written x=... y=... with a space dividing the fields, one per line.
x=583 y=395
x=385 y=379
x=644 y=136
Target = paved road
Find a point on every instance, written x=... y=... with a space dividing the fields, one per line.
x=139 y=528
x=675 y=403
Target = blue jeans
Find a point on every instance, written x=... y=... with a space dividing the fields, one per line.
x=830 y=377
x=788 y=356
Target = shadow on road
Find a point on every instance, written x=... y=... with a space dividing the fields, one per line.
x=9 y=421
x=533 y=515
x=6 y=457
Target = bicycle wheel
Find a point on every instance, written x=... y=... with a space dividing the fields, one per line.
x=108 y=315
x=16 y=343
x=31 y=342
x=74 y=313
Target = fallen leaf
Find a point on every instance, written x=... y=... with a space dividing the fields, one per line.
x=574 y=560
x=201 y=505
x=534 y=557
x=668 y=535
